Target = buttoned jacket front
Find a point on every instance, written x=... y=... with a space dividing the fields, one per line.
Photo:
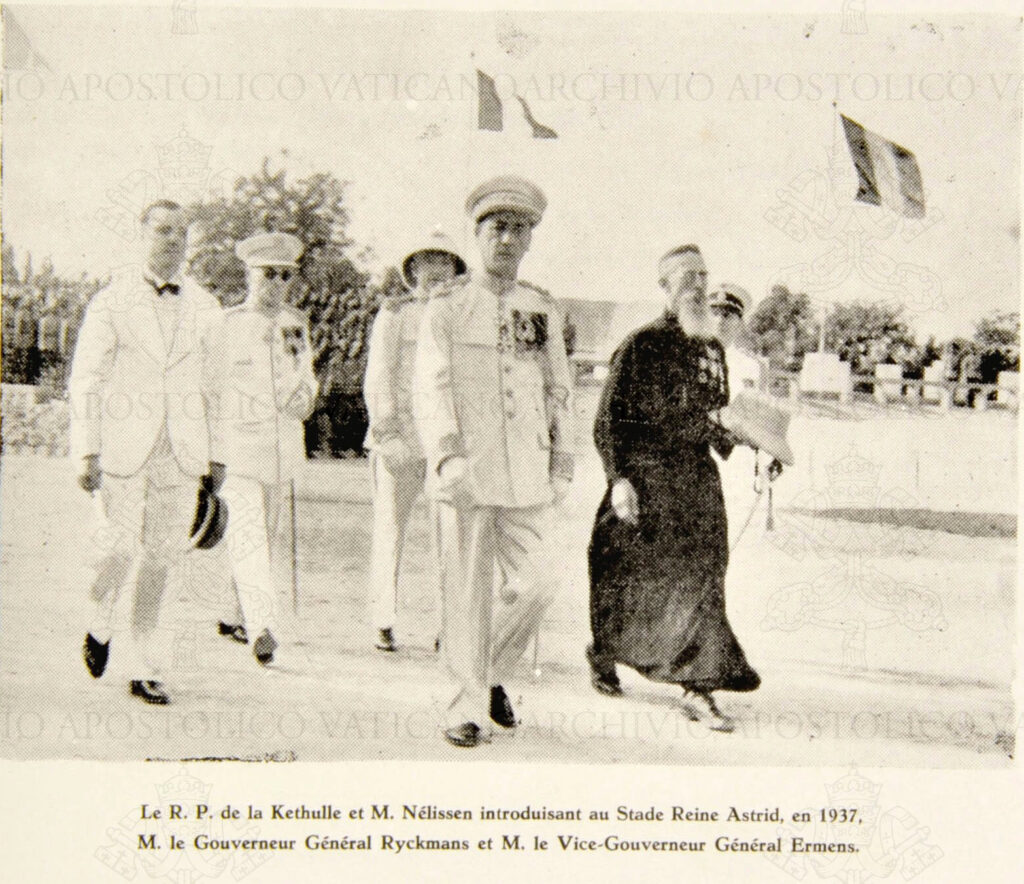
x=492 y=384
x=387 y=386
x=128 y=381
x=269 y=392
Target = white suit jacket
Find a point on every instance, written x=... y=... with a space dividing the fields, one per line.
x=387 y=386
x=492 y=383
x=127 y=383
x=270 y=389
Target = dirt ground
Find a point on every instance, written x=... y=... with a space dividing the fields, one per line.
x=879 y=611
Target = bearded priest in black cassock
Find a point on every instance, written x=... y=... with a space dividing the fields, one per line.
x=659 y=550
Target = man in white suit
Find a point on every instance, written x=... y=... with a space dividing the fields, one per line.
x=145 y=432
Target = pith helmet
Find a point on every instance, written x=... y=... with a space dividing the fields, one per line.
x=437 y=241
x=761 y=423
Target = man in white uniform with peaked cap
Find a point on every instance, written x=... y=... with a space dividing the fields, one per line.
x=492 y=398
x=270 y=391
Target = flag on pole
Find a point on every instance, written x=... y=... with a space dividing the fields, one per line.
x=19 y=53
x=491 y=114
x=887 y=173
x=539 y=129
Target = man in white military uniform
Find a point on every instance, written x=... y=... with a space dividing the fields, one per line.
x=270 y=390
x=728 y=304
x=397 y=461
x=491 y=397
x=144 y=428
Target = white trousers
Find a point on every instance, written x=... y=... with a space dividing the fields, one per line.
x=254 y=510
x=483 y=638
x=144 y=527
x=394 y=494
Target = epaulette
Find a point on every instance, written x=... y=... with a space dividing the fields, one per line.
x=536 y=288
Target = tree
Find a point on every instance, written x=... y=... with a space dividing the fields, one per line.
x=997 y=342
x=783 y=327
x=10 y=267
x=344 y=421
x=999 y=329
x=921 y=357
x=336 y=295
x=866 y=334
x=41 y=315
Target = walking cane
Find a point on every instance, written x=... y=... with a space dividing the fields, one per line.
x=758 y=493
x=295 y=550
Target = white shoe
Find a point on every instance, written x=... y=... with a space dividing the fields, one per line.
x=701 y=706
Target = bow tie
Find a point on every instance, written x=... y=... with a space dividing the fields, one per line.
x=167 y=288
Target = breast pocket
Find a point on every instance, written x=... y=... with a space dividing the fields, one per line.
x=479 y=330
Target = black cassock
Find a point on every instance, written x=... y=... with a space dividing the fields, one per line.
x=657 y=589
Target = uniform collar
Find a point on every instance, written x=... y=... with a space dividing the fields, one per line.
x=498 y=286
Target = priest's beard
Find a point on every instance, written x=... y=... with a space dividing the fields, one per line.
x=696 y=321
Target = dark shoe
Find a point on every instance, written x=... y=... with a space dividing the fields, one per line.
x=604 y=679
x=502 y=712
x=234 y=631
x=466 y=735
x=264 y=647
x=386 y=640
x=151 y=692
x=95 y=654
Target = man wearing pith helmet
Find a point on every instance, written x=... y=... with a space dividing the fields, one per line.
x=491 y=394
x=397 y=461
x=269 y=393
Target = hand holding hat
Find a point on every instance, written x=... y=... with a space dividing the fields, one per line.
x=91 y=476
x=759 y=423
x=211 y=518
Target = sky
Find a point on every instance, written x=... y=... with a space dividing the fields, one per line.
x=672 y=127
